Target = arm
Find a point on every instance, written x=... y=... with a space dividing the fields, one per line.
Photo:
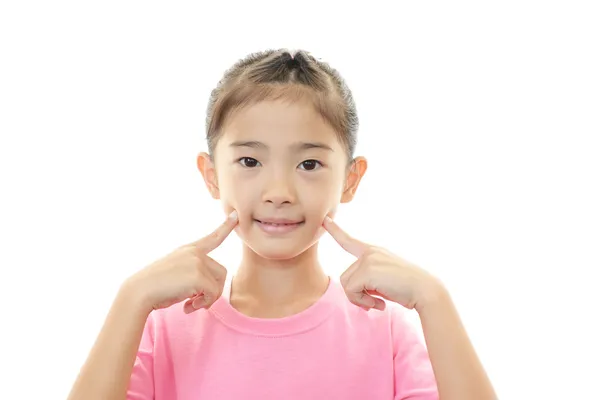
x=458 y=371
x=378 y=274
x=107 y=371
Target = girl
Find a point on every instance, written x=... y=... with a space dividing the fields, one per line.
x=281 y=132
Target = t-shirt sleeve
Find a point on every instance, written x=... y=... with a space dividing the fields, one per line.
x=141 y=384
x=413 y=374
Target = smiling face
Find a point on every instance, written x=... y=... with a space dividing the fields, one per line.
x=283 y=168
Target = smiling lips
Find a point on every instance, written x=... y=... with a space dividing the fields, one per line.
x=278 y=225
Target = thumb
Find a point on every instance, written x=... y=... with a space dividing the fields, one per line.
x=366 y=300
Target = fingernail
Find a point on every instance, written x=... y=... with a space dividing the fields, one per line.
x=233 y=215
x=328 y=218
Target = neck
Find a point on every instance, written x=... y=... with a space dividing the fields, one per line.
x=277 y=282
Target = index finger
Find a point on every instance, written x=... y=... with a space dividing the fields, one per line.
x=348 y=243
x=213 y=240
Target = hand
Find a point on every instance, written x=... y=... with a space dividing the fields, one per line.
x=186 y=273
x=377 y=272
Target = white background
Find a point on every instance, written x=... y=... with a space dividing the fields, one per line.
x=480 y=121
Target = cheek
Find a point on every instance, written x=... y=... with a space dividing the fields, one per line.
x=235 y=193
x=318 y=204
x=237 y=197
x=244 y=210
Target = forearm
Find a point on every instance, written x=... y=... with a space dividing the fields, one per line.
x=107 y=371
x=458 y=371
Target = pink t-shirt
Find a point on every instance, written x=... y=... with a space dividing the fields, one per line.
x=331 y=350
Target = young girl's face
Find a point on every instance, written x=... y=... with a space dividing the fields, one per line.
x=283 y=169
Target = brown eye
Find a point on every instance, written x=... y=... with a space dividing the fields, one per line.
x=310 y=165
x=248 y=162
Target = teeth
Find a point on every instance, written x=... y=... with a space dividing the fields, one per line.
x=274 y=224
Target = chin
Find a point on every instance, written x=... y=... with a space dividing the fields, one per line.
x=281 y=252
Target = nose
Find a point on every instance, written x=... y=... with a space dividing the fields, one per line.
x=279 y=189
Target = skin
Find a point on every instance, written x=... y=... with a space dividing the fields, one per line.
x=279 y=275
x=187 y=272
x=379 y=274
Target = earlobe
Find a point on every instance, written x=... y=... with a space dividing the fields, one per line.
x=207 y=169
x=356 y=171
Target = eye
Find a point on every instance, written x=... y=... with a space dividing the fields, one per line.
x=310 y=165
x=248 y=162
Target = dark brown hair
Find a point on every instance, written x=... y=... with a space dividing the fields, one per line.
x=280 y=74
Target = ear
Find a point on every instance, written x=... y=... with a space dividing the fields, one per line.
x=355 y=171
x=206 y=167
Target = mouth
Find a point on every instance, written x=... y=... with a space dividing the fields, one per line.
x=279 y=221
x=278 y=225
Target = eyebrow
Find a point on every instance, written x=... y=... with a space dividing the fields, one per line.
x=297 y=146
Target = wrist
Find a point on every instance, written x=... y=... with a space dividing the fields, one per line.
x=130 y=294
x=433 y=293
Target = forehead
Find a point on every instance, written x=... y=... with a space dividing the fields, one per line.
x=279 y=122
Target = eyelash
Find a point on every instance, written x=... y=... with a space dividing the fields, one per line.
x=240 y=161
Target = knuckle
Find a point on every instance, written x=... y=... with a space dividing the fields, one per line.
x=213 y=236
x=198 y=271
x=354 y=298
x=211 y=291
x=208 y=239
x=354 y=287
x=370 y=252
x=191 y=252
x=221 y=272
x=200 y=263
x=220 y=291
x=344 y=278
